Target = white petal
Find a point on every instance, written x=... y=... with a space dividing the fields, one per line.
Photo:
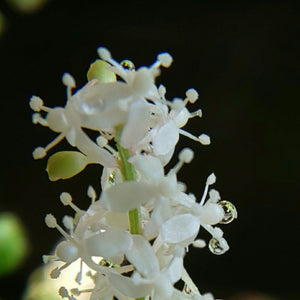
x=142 y=256
x=148 y=166
x=180 y=228
x=136 y=126
x=166 y=138
x=127 y=287
x=211 y=213
x=143 y=81
x=93 y=151
x=165 y=158
x=127 y=195
x=163 y=288
x=175 y=269
x=112 y=242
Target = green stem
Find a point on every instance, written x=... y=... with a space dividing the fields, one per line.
x=129 y=174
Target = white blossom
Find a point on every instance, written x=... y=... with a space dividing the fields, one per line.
x=125 y=264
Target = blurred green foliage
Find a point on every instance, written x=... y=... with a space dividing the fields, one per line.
x=27 y=6
x=14 y=245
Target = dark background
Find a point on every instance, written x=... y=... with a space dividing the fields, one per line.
x=242 y=58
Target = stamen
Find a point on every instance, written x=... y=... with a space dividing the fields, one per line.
x=185 y=157
x=214 y=196
x=66 y=199
x=103 y=143
x=55 y=273
x=162 y=91
x=36 y=103
x=118 y=69
x=204 y=139
x=192 y=95
x=69 y=81
x=197 y=113
x=49 y=258
x=63 y=292
x=78 y=292
x=37 y=119
x=79 y=274
x=39 y=153
x=51 y=222
x=68 y=223
x=104 y=54
x=165 y=59
x=189 y=135
x=58 y=139
x=91 y=193
x=211 y=179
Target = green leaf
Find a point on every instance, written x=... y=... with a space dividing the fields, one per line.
x=65 y=164
x=98 y=70
x=13 y=243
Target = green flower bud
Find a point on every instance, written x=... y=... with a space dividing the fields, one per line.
x=98 y=70
x=65 y=164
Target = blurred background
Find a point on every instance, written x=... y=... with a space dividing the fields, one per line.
x=242 y=58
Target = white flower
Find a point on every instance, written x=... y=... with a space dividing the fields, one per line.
x=144 y=220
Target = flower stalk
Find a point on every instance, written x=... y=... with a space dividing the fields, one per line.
x=129 y=174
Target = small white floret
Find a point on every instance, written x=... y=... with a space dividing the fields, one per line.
x=50 y=221
x=186 y=155
x=36 y=103
x=165 y=59
x=65 y=198
x=192 y=95
x=104 y=53
x=39 y=153
x=204 y=139
x=68 y=80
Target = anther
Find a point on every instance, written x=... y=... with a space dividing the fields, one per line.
x=91 y=193
x=104 y=53
x=66 y=199
x=36 y=103
x=204 y=139
x=165 y=59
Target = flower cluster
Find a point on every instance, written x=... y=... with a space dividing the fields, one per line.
x=134 y=236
